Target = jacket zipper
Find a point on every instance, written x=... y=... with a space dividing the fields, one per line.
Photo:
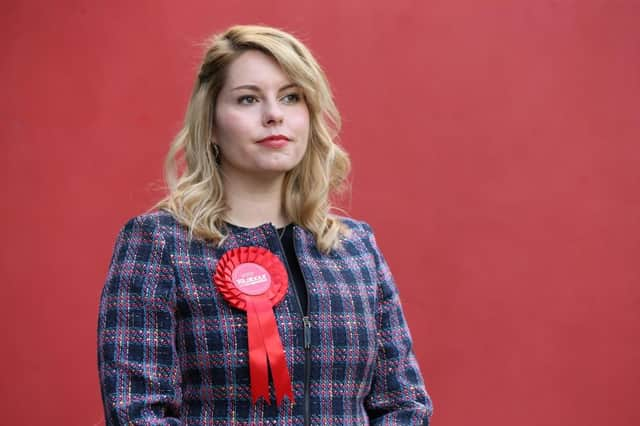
x=307 y=368
x=307 y=330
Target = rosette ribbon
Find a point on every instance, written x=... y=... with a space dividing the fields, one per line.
x=254 y=280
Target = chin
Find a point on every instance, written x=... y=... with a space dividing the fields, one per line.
x=278 y=167
x=278 y=170
x=262 y=168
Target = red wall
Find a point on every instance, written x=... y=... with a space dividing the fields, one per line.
x=496 y=152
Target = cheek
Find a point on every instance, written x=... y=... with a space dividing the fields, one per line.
x=301 y=122
x=304 y=142
x=303 y=128
x=232 y=126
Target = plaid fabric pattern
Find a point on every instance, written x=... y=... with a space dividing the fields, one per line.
x=171 y=351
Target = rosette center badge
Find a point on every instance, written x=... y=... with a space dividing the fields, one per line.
x=251 y=278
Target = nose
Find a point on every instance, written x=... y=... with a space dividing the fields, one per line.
x=272 y=113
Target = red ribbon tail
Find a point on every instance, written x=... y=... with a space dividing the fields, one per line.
x=258 y=370
x=275 y=352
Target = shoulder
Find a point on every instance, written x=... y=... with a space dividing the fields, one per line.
x=354 y=225
x=142 y=260
x=157 y=223
x=357 y=230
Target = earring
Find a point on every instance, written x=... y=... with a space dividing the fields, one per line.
x=216 y=153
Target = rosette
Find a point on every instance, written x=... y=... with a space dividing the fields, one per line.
x=254 y=280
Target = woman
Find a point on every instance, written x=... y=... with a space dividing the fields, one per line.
x=242 y=299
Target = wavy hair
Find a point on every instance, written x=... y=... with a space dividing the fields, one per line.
x=196 y=192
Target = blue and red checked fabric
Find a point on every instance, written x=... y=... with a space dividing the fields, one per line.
x=171 y=351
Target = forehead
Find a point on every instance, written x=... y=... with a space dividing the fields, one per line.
x=257 y=68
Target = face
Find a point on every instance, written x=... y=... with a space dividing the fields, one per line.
x=261 y=119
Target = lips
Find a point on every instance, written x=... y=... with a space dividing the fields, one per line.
x=274 y=141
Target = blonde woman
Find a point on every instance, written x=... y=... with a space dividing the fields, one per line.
x=242 y=299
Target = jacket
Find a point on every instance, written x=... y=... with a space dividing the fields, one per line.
x=171 y=351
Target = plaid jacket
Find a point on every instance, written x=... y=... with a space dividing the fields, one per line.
x=171 y=351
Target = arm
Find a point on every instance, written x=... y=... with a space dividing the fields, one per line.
x=398 y=394
x=137 y=360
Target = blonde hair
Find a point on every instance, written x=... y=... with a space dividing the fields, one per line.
x=196 y=194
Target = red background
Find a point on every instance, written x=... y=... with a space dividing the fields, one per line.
x=496 y=153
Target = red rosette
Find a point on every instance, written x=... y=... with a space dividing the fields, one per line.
x=254 y=280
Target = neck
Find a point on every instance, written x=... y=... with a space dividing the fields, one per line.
x=253 y=202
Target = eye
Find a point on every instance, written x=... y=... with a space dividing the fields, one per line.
x=291 y=98
x=247 y=99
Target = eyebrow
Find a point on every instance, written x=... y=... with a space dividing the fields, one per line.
x=257 y=89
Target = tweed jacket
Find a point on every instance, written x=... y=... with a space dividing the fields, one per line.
x=172 y=351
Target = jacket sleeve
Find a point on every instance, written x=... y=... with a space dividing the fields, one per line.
x=398 y=394
x=137 y=361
